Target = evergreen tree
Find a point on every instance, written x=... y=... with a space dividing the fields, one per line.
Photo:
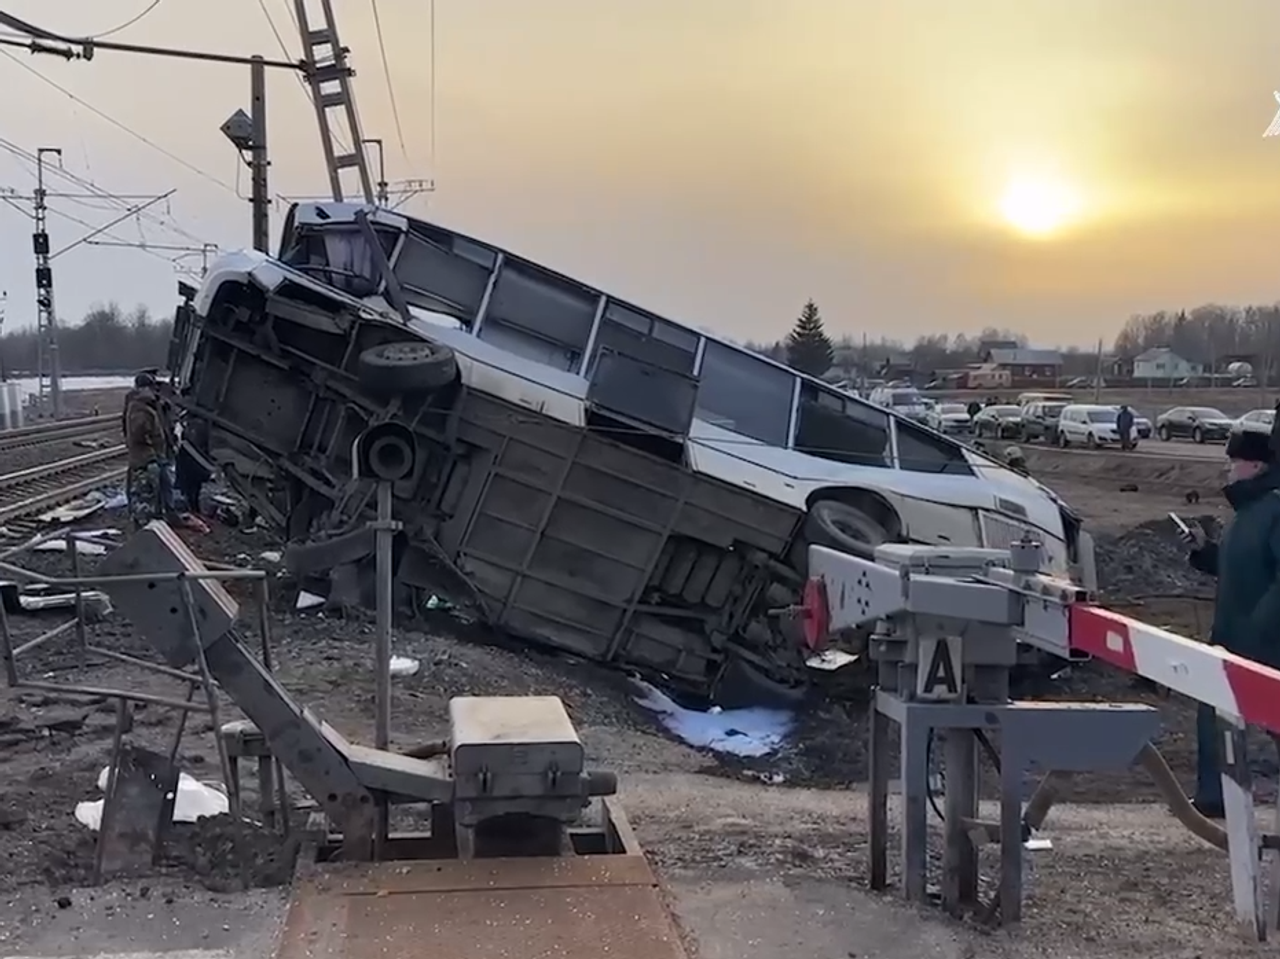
x=809 y=349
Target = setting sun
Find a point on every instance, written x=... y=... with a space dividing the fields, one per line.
x=1037 y=208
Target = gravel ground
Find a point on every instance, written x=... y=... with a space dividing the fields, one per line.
x=697 y=812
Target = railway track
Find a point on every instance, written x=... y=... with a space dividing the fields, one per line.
x=26 y=493
x=57 y=432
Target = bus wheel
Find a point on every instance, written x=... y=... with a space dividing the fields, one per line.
x=847 y=528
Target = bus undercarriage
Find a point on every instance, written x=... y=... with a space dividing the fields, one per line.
x=597 y=540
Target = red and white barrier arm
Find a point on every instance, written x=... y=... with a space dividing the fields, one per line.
x=1209 y=674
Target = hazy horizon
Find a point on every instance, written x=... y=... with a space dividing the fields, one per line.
x=914 y=168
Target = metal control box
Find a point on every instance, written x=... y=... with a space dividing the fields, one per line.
x=507 y=747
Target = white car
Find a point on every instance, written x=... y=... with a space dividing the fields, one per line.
x=948 y=418
x=1255 y=421
x=602 y=479
x=903 y=400
x=1090 y=425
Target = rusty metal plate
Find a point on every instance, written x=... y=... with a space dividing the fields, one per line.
x=570 y=907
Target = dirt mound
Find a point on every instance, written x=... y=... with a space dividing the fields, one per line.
x=1148 y=560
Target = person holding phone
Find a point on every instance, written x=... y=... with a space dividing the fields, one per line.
x=1245 y=560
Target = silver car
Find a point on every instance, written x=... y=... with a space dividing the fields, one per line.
x=1255 y=421
x=948 y=418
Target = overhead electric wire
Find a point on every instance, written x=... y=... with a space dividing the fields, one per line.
x=141 y=245
x=386 y=73
x=120 y=125
x=126 y=25
x=167 y=224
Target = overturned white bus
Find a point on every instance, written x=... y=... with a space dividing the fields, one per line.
x=607 y=481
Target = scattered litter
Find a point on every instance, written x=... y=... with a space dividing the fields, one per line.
x=270 y=556
x=829 y=660
x=79 y=509
x=438 y=602
x=756 y=731
x=193 y=801
x=83 y=548
x=35 y=597
x=404 y=666
x=308 y=600
x=116 y=500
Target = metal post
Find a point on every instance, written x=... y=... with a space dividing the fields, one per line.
x=4 y=302
x=46 y=316
x=259 y=196
x=382 y=646
x=384 y=192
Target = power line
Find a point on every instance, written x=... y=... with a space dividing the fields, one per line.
x=128 y=23
x=143 y=244
x=386 y=73
x=119 y=124
x=117 y=202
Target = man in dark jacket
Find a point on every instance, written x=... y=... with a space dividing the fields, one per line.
x=1246 y=562
x=1124 y=426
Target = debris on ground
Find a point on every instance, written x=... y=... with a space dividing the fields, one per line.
x=1150 y=559
x=755 y=731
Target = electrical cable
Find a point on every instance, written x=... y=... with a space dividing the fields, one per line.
x=124 y=127
x=124 y=26
x=91 y=226
x=386 y=73
x=116 y=202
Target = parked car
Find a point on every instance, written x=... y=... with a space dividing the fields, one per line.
x=902 y=400
x=1040 y=420
x=586 y=474
x=1200 y=423
x=1090 y=425
x=998 y=422
x=1255 y=421
x=948 y=418
x=1141 y=425
x=1024 y=399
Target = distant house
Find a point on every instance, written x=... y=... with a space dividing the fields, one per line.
x=1117 y=367
x=1026 y=363
x=897 y=366
x=1161 y=363
x=987 y=377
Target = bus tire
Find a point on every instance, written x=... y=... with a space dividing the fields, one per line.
x=844 y=527
x=410 y=366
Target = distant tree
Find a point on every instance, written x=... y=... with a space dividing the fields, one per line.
x=809 y=349
x=107 y=340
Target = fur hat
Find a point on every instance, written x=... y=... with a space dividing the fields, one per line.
x=1250 y=446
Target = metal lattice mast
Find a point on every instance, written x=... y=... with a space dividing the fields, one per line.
x=329 y=76
x=49 y=366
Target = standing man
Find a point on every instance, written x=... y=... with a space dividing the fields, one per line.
x=1246 y=562
x=1124 y=426
x=146 y=437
